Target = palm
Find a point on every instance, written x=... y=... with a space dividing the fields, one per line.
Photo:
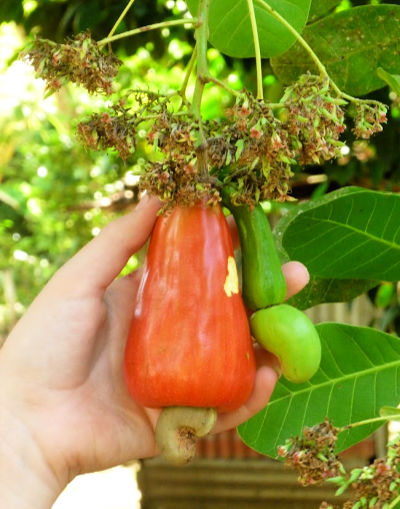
x=91 y=420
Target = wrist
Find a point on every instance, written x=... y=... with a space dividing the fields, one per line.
x=26 y=480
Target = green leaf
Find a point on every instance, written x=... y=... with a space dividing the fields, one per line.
x=350 y=233
x=359 y=374
x=320 y=8
x=393 y=80
x=352 y=44
x=230 y=27
x=390 y=411
x=321 y=290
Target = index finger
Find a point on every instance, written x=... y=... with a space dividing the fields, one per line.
x=98 y=263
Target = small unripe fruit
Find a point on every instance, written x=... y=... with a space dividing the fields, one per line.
x=290 y=335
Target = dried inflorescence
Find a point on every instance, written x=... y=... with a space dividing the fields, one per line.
x=174 y=136
x=253 y=149
x=259 y=152
x=115 y=128
x=313 y=454
x=176 y=183
x=377 y=485
x=368 y=119
x=79 y=60
x=315 y=118
x=177 y=179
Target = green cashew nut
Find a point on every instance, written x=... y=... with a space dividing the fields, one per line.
x=290 y=335
x=263 y=280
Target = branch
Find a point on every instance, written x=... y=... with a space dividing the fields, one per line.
x=122 y=16
x=146 y=28
x=260 y=92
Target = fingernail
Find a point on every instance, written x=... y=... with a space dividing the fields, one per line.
x=145 y=201
x=278 y=370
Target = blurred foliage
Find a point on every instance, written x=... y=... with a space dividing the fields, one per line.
x=54 y=195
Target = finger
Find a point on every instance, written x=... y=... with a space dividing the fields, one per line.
x=296 y=275
x=265 y=381
x=98 y=263
x=121 y=294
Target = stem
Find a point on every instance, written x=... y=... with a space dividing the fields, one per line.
x=302 y=41
x=189 y=70
x=146 y=28
x=394 y=502
x=254 y=29
x=221 y=84
x=201 y=74
x=157 y=115
x=122 y=16
x=368 y=421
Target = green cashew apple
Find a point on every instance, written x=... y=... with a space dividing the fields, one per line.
x=290 y=335
x=263 y=280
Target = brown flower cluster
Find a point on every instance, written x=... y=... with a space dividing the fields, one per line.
x=78 y=60
x=116 y=129
x=253 y=149
x=378 y=484
x=258 y=151
x=178 y=184
x=315 y=119
x=312 y=455
x=368 y=119
x=179 y=178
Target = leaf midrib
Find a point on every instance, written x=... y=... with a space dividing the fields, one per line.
x=309 y=388
x=356 y=230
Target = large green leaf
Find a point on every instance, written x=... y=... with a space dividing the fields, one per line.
x=359 y=374
x=320 y=8
x=230 y=28
x=350 y=233
x=352 y=44
x=321 y=290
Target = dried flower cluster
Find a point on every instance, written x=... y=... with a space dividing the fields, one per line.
x=314 y=118
x=253 y=149
x=313 y=454
x=79 y=60
x=258 y=150
x=179 y=178
x=116 y=129
x=180 y=184
x=378 y=484
x=368 y=119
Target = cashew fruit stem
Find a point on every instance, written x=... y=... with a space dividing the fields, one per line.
x=178 y=429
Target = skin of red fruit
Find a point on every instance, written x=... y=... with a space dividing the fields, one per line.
x=190 y=342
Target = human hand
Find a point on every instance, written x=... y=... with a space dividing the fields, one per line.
x=63 y=404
